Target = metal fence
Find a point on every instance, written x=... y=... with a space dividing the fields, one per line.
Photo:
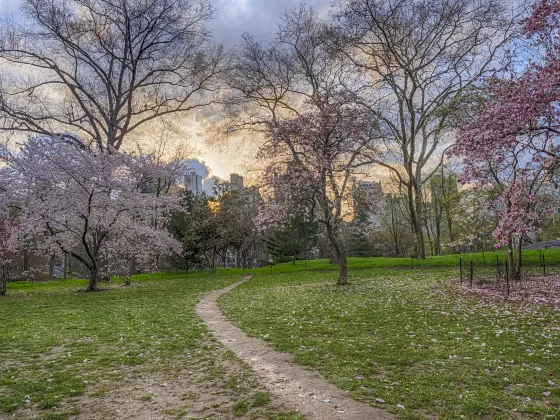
x=535 y=282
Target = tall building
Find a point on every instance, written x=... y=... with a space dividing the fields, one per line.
x=361 y=195
x=236 y=180
x=193 y=183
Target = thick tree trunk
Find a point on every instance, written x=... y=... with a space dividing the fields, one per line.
x=414 y=192
x=417 y=219
x=93 y=279
x=340 y=257
x=513 y=270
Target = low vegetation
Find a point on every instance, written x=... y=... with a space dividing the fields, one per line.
x=406 y=341
x=403 y=336
x=119 y=352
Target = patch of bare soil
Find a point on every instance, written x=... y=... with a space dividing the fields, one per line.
x=211 y=385
x=295 y=387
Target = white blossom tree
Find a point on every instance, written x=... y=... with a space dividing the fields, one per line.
x=97 y=207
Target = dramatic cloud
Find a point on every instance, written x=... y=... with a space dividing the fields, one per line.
x=208 y=179
x=259 y=17
x=199 y=167
x=234 y=17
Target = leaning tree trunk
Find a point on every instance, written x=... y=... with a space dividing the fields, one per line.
x=340 y=257
x=4 y=274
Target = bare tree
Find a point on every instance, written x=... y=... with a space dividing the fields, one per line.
x=419 y=56
x=93 y=71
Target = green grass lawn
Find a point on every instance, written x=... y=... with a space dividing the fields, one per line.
x=530 y=257
x=401 y=335
x=127 y=350
x=409 y=338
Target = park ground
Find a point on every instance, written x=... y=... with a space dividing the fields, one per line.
x=407 y=336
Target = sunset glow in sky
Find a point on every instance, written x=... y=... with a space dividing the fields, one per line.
x=259 y=17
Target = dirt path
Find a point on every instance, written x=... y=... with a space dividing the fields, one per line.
x=297 y=388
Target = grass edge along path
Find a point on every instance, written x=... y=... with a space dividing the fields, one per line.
x=127 y=351
x=409 y=342
x=299 y=389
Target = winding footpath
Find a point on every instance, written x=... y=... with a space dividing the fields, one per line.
x=297 y=388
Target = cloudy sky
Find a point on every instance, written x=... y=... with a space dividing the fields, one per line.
x=260 y=17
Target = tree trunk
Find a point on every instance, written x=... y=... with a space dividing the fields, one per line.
x=340 y=257
x=414 y=193
x=430 y=241
x=4 y=274
x=213 y=263
x=51 y=266
x=519 y=259
x=438 y=237
x=25 y=259
x=417 y=218
x=93 y=279
x=450 y=226
x=129 y=270
x=511 y=259
x=65 y=267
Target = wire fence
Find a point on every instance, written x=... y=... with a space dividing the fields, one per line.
x=533 y=282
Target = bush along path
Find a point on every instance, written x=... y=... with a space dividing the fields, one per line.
x=297 y=388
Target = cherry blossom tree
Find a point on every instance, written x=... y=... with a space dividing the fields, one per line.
x=97 y=207
x=512 y=143
x=476 y=207
x=137 y=243
x=319 y=152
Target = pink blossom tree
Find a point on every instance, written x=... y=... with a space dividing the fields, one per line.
x=97 y=207
x=301 y=95
x=319 y=152
x=512 y=142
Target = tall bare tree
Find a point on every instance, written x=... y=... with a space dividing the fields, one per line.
x=94 y=71
x=419 y=56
